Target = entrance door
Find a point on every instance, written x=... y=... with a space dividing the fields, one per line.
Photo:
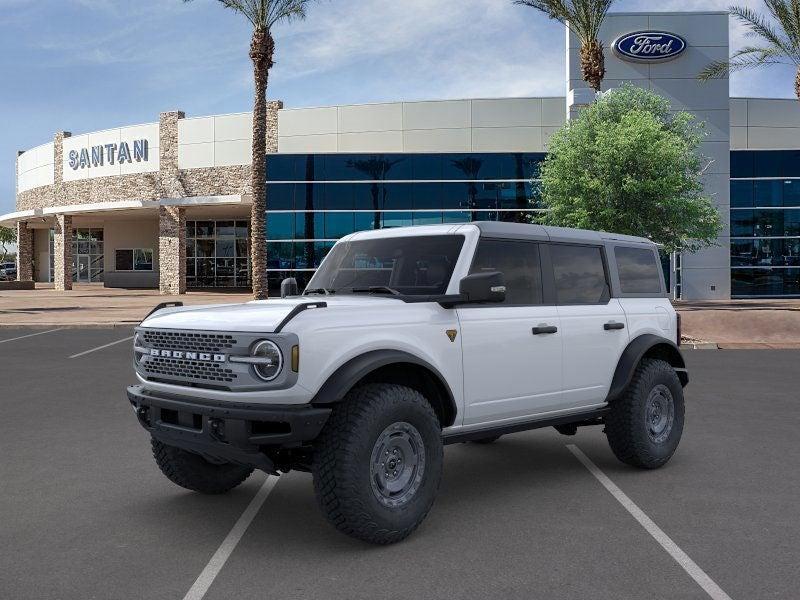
x=511 y=351
x=83 y=268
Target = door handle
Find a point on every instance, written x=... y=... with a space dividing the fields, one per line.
x=544 y=329
x=611 y=326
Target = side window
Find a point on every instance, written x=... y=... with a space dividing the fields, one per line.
x=519 y=264
x=638 y=271
x=580 y=277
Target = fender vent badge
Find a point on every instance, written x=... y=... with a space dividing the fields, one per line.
x=452 y=333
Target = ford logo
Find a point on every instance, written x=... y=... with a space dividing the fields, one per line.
x=649 y=46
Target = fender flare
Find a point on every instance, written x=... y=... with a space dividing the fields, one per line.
x=636 y=350
x=350 y=373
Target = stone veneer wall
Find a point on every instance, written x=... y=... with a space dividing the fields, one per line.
x=24 y=252
x=62 y=250
x=172 y=250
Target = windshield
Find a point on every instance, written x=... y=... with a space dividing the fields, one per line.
x=410 y=266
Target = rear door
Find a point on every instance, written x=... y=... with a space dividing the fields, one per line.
x=593 y=325
x=511 y=351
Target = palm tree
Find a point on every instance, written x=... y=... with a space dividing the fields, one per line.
x=262 y=15
x=780 y=41
x=584 y=19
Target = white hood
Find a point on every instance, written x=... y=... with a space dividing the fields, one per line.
x=261 y=316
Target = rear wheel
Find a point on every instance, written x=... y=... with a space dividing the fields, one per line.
x=378 y=463
x=645 y=426
x=193 y=472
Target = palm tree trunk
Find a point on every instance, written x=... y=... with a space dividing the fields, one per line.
x=261 y=51
x=797 y=84
x=593 y=66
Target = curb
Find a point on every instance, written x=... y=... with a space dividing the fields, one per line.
x=702 y=346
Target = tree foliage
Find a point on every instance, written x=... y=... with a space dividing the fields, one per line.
x=628 y=165
x=8 y=236
x=778 y=40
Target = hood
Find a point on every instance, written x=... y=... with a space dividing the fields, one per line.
x=261 y=316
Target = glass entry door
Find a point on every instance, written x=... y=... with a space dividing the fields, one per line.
x=87 y=253
x=83 y=269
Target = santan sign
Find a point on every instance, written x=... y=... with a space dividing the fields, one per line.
x=97 y=156
x=649 y=46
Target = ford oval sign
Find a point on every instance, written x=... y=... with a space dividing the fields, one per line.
x=649 y=46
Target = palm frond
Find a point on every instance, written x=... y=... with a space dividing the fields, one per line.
x=745 y=58
x=263 y=14
x=784 y=13
x=759 y=26
x=583 y=17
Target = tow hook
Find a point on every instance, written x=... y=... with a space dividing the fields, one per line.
x=217 y=429
x=143 y=414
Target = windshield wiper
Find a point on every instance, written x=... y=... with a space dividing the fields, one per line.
x=323 y=291
x=376 y=289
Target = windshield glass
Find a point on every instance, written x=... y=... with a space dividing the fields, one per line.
x=411 y=266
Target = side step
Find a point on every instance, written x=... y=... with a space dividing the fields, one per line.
x=593 y=417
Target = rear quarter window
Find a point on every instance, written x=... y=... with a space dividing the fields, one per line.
x=638 y=271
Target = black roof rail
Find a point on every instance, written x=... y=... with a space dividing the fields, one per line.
x=296 y=311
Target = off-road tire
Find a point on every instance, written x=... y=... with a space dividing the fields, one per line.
x=487 y=440
x=193 y=472
x=627 y=426
x=343 y=462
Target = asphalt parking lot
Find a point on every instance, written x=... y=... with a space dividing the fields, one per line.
x=85 y=513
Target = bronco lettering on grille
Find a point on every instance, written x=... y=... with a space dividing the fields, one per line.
x=203 y=356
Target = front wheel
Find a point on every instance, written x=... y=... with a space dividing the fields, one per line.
x=645 y=425
x=378 y=462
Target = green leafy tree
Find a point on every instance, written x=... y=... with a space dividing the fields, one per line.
x=263 y=15
x=778 y=40
x=628 y=165
x=584 y=18
x=8 y=236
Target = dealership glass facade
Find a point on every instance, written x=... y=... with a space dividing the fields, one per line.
x=315 y=199
x=765 y=223
x=217 y=254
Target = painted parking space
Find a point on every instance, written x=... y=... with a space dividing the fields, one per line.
x=88 y=514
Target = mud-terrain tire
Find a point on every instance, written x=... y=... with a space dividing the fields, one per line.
x=487 y=440
x=645 y=425
x=193 y=472
x=378 y=463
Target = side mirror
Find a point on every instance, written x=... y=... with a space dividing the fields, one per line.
x=483 y=287
x=289 y=287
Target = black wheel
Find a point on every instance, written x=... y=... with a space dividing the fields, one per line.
x=487 y=440
x=645 y=426
x=378 y=462
x=193 y=472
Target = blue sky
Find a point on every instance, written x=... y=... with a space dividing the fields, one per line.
x=84 y=65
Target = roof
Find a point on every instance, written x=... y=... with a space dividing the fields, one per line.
x=553 y=234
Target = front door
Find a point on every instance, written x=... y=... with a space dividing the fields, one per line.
x=593 y=324
x=511 y=351
x=83 y=268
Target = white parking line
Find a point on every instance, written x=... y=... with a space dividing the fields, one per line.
x=22 y=337
x=214 y=566
x=130 y=337
x=688 y=565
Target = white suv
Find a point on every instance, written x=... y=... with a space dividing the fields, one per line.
x=406 y=340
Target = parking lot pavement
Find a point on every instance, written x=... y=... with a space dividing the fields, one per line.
x=85 y=512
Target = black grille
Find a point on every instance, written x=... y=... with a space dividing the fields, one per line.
x=193 y=342
x=188 y=369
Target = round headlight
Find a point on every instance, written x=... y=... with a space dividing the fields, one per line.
x=272 y=363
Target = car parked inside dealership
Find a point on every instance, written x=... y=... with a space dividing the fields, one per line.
x=406 y=340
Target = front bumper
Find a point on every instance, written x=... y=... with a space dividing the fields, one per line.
x=233 y=432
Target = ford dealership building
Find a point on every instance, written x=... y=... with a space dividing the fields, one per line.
x=167 y=204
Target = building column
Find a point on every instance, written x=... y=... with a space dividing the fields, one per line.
x=24 y=252
x=171 y=250
x=62 y=251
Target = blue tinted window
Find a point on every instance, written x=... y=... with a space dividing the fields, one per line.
x=426 y=166
x=768 y=164
x=741 y=194
x=791 y=193
x=280 y=196
x=280 y=226
x=768 y=193
x=427 y=218
x=426 y=195
x=309 y=196
x=338 y=225
x=280 y=255
x=791 y=223
x=464 y=166
x=396 y=196
x=397 y=219
x=366 y=221
x=281 y=167
x=366 y=196
x=309 y=225
x=456 y=216
x=742 y=164
x=765 y=282
x=455 y=195
x=339 y=196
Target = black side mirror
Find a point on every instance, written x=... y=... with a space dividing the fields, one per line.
x=289 y=287
x=483 y=287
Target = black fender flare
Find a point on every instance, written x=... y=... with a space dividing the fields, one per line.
x=354 y=370
x=648 y=343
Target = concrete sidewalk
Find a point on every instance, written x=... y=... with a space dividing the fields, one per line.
x=92 y=305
